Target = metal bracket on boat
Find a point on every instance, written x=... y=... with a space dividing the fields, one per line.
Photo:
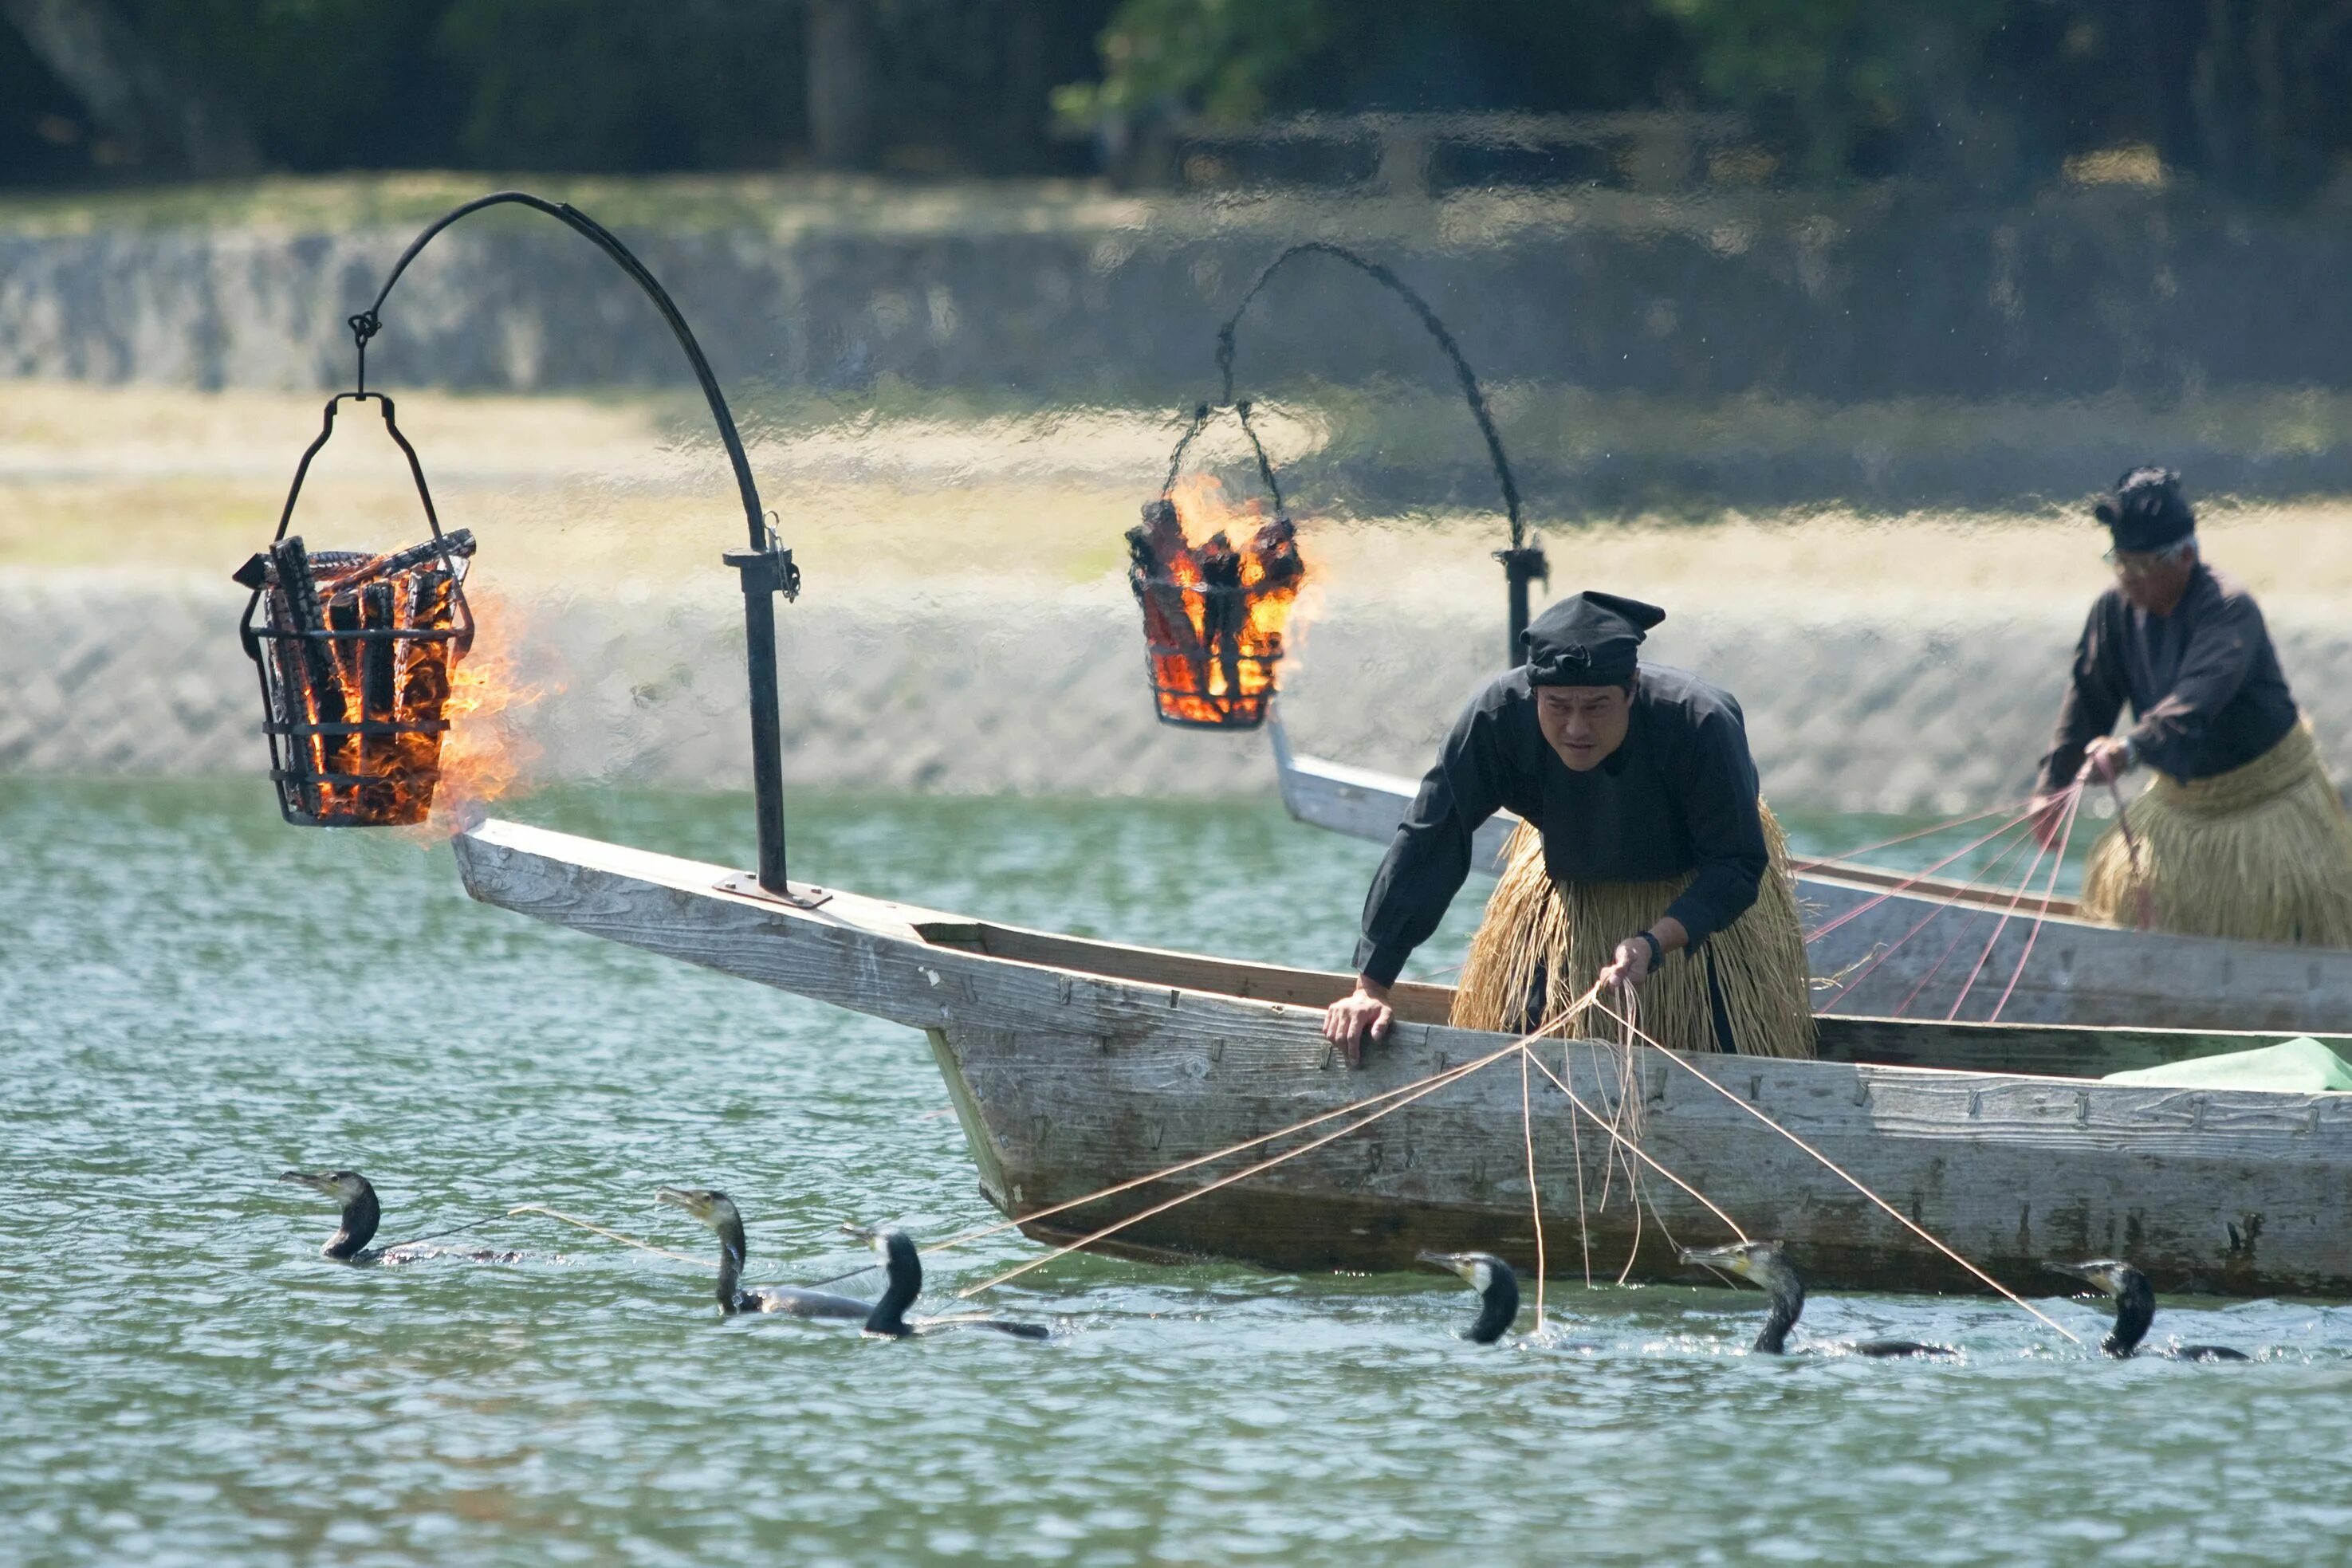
x=806 y=896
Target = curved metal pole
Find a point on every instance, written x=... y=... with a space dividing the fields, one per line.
x=766 y=567
x=1522 y=562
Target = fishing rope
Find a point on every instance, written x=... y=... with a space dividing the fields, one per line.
x=2003 y=923
x=631 y=1241
x=453 y=1230
x=1567 y=1014
x=1535 y=1198
x=1899 y=839
x=1853 y=983
x=1400 y=1099
x=1916 y=878
x=1841 y=1173
x=1703 y=1200
x=1583 y=1235
x=2065 y=836
x=1224 y=1181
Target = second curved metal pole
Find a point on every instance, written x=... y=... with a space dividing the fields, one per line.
x=766 y=568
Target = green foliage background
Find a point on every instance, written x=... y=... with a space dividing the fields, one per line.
x=2247 y=96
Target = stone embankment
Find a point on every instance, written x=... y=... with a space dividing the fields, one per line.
x=1045 y=693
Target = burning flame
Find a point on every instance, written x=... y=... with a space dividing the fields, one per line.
x=1213 y=615
x=397 y=725
x=485 y=754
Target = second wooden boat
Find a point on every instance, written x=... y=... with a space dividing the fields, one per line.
x=1883 y=944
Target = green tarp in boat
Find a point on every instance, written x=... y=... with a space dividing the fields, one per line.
x=2300 y=1065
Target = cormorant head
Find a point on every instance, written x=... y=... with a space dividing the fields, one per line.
x=711 y=1206
x=717 y=1210
x=1498 y=1285
x=1760 y=1264
x=362 y=1212
x=343 y=1186
x=904 y=1266
x=2134 y=1298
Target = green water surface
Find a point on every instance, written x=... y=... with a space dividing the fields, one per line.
x=193 y=996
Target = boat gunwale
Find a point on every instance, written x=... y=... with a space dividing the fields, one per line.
x=841 y=914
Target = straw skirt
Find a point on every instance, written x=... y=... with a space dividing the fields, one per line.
x=1541 y=945
x=2262 y=852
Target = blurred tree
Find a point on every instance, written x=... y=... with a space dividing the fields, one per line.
x=845 y=84
x=149 y=108
x=626 y=85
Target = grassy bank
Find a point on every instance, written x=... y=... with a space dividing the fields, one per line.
x=618 y=495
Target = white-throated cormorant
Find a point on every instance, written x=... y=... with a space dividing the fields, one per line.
x=2135 y=1310
x=363 y=1214
x=717 y=1210
x=1763 y=1263
x=1497 y=1287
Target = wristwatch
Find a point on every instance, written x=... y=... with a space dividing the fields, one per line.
x=1658 y=951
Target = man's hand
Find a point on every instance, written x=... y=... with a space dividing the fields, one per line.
x=2049 y=814
x=1363 y=1014
x=2109 y=757
x=1630 y=965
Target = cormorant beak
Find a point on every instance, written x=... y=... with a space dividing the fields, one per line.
x=2089 y=1273
x=316 y=1181
x=1731 y=1260
x=694 y=1203
x=1452 y=1262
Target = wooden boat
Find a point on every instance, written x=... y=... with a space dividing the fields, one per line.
x=1883 y=943
x=1076 y=1064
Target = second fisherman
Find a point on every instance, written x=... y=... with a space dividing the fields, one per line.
x=1646 y=858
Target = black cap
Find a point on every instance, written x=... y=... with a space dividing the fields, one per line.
x=1588 y=640
x=2147 y=511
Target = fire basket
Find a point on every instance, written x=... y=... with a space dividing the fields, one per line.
x=1213 y=615
x=355 y=650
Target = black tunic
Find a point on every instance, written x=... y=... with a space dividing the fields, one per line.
x=1679 y=796
x=2203 y=682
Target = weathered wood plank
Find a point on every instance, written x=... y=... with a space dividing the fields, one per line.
x=1069 y=1082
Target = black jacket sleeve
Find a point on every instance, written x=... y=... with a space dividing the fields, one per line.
x=1430 y=855
x=2223 y=646
x=1726 y=826
x=2095 y=696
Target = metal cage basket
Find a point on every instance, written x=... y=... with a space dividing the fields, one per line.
x=1213 y=613
x=355 y=653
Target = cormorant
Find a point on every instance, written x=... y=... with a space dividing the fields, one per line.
x=2135 y=1310
x=904 y=1268
x=717 y=1210
x=1763 y=1263
x=363 y=1214
x=1497 y=1288
x=886 y=1316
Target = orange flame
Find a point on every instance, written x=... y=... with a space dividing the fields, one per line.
x=1213 y=615
x=485 y=755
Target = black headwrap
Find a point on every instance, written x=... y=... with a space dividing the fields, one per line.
x=2147 y=511
x=1588 y=640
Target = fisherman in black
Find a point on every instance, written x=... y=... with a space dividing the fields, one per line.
x=2240 y=833
x=1632 y=775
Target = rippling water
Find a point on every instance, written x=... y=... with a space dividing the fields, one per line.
x=193 y=996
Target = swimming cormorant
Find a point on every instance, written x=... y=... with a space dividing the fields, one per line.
x=363 y=1214
x=2135 y=1310
x=1497 y=1288
x=717 y=1210
x=904 y=1268
x=1763 y=1263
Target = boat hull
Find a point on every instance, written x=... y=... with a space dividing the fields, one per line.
x=1075 y=1066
